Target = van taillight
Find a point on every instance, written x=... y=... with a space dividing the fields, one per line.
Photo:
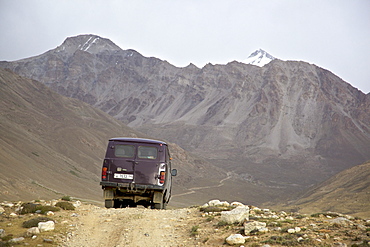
x=162 y=177
x=104 y=173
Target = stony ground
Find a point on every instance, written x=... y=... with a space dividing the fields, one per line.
x=90 y=225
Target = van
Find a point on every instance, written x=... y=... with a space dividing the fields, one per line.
x=137 y=172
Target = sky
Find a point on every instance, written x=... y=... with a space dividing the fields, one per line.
x=332 y=34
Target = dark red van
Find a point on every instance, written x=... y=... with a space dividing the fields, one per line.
x=137 y=172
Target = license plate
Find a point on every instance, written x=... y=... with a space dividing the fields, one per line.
x=123 y=176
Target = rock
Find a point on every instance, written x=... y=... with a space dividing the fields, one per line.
x=13 y=215
x=77 y=204
x=2 y=210
x=50 y=213
x=213 y=202
x=263 y=230
x=294 y=230
x=340 y=221
x=250 y=226
x=33 y=231
x=2 y=233
x=235 y=239
x=236 y=215
x=223 y=204
x=47 y=240
x=7 y=204
x=16 y=240
x=46 y=226
x=237 y=204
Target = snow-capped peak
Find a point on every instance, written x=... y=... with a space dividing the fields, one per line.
x=259 y=58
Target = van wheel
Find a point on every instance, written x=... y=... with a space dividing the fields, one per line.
x=161 y=205
x=109 y=203
x=158 y=205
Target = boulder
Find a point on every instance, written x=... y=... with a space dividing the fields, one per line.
x=32 y=231
x=236 y=215
x=46 y=226
x=213 y=202
x=250 y=226
x=235 y=239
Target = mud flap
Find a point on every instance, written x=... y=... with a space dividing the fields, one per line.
x=157 y=197
x=108 y=194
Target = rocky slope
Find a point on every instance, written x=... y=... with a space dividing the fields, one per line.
x=54 y=145
x=347 y=192
x=284 y=126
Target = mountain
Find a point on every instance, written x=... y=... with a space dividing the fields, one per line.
x=53 y=146
x=347 y=192
x=259 y=58
x=276 y=129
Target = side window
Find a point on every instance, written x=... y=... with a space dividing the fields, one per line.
x=126 y=151
x=146 y=152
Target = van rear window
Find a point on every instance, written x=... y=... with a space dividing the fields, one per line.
x=146 y=152
x=126 y=151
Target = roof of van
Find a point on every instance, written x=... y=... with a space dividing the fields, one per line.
x=127 y=139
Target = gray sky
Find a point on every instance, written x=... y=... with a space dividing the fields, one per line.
x=333 y=34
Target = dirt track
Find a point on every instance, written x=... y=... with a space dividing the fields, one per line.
x=96 y=226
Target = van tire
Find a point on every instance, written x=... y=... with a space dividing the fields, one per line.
x=158 y=205
x=109 y=203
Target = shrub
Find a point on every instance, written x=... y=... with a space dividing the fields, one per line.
x=45 y=209
x=28 y=208
x=215 y=209
x=34 y=222
x=194 y=231
x=65 y=205
x=66 y=198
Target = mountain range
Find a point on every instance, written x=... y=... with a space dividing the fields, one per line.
x=280 y=127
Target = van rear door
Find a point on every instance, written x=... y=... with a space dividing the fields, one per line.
x=131 y=162
x=121 y=159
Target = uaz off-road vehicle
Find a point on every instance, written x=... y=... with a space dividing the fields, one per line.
x=137 y=172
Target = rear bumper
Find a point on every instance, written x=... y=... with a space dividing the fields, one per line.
x=131 y=186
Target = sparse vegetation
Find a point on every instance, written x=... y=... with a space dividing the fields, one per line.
x=37 y=208
x=66 y=198
x=194 y=230
x=65 y=205
x=34 y=222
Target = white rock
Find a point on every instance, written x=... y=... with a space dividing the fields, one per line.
x=2 y=210
x=223 y=204
x=7 y=204
x=2 y=233
x=235 y=239
x=236 y=215
x=237 y=204
x=291 y=230
x=33 y=231
x=16 y=240
x=297 y=229
x=253 y=225
x=76 y=204
x=213 y=202
x=263 y=230
x=50 y=213
x=13 y=215
x=46 y=226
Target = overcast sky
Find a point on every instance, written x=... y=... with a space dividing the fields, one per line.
x=333 y=34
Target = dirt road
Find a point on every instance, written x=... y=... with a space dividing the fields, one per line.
x=97 y=226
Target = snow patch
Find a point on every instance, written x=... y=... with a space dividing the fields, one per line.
x=259 y=58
